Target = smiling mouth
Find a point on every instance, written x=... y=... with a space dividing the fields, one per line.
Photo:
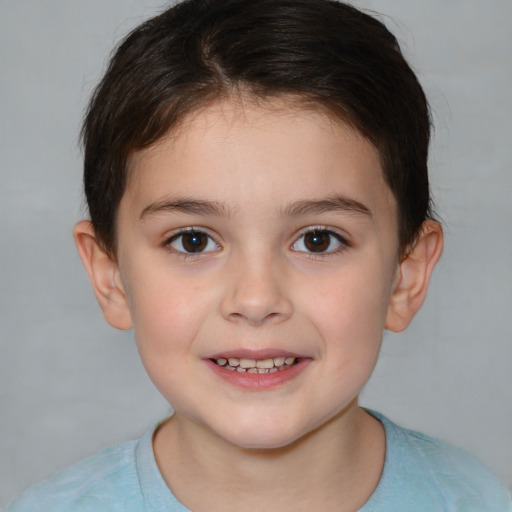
x=243 y=365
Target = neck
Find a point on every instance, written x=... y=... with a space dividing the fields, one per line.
x=336 y=467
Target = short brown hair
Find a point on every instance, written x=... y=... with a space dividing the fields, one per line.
x=326 y=52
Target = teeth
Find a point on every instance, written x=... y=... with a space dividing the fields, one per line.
x=266 y=363
x=256 y=366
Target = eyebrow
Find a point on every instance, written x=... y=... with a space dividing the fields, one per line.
x=297 y=208
x=329 y=204
x=184 y=205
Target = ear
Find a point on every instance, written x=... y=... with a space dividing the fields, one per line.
x=413 y=276
x=104 y=274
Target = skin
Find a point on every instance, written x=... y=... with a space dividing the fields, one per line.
x=254 y=180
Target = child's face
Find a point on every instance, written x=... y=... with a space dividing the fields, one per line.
x=258 y=233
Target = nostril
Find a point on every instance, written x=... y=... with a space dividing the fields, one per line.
x=254 y=298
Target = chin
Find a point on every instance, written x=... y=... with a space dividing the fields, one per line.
x=261 y=435
x=261 y=442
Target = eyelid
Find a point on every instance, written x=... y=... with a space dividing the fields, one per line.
x=167 y=243
x=342 y=239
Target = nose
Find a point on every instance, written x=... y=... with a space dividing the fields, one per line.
x=256 y=292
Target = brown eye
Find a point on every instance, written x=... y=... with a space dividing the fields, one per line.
x=319 y=241
x=193 y=242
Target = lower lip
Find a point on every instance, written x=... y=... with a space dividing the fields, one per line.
x=259 y=381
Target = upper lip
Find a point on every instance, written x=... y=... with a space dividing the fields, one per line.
x=254 y=354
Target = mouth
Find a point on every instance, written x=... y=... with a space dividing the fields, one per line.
x=258 y=370
x=260 y=366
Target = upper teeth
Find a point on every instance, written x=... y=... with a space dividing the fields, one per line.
x=267 y=365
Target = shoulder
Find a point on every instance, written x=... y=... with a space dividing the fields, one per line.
x=445 y=476
x=105 y=481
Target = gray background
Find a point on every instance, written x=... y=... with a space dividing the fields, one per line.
x=70 y=384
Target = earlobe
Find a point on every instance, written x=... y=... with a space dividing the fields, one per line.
x=105 y=278
x=413 y=276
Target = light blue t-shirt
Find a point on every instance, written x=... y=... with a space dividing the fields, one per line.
x=421 y=474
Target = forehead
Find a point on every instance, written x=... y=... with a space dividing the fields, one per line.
x=240 y=152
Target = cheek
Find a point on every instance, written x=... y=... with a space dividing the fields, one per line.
x=165 y=322
x=165 y=314
x=349 y=309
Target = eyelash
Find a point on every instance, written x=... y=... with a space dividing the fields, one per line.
x=318 y=230
x=189 y=231
x=322 y=230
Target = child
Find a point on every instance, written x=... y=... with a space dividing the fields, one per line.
x=256 y=176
